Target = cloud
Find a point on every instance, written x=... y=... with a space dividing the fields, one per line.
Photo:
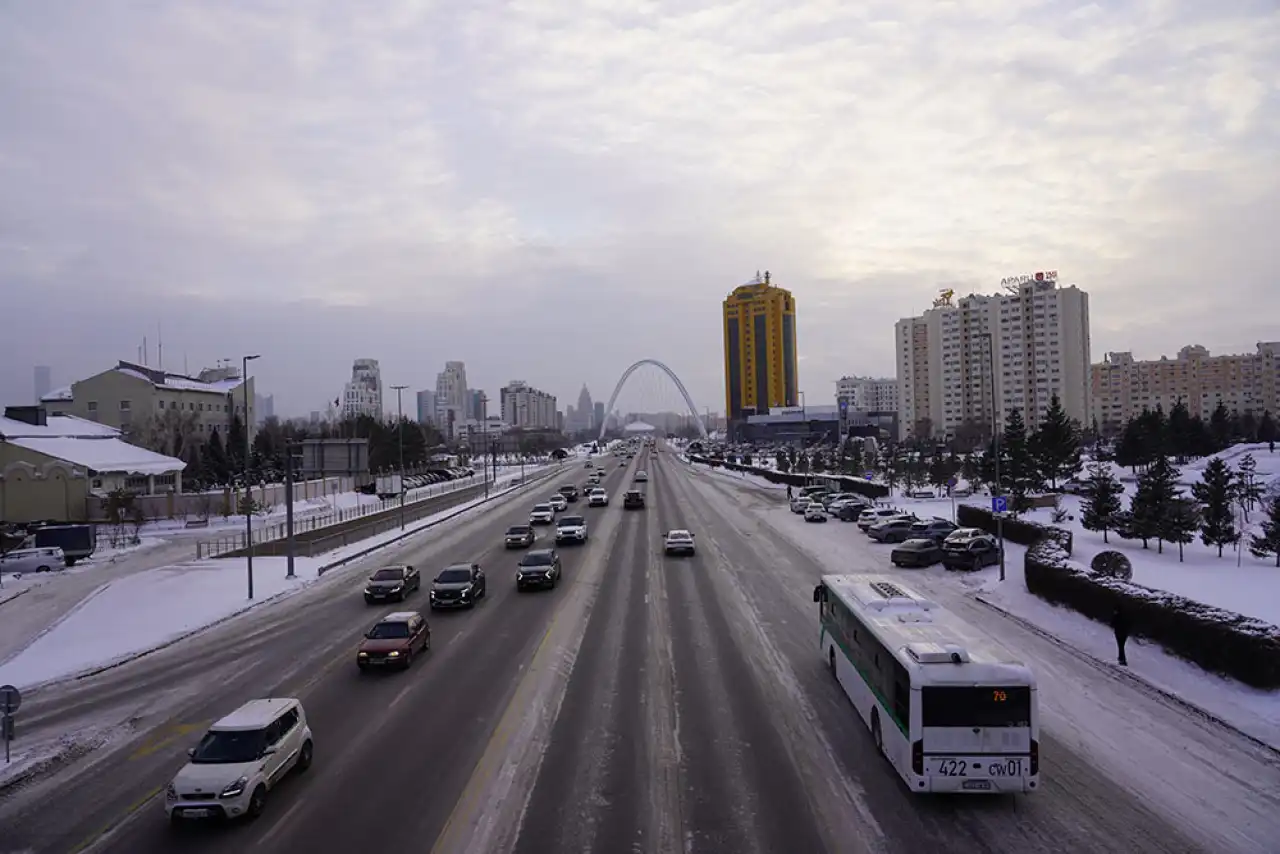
x=551 y=190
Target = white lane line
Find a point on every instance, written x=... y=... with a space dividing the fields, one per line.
x=404 y=692
x=281 y=822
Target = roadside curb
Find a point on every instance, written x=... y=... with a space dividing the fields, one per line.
x=75 y=609
x=9 y=599
x=1126 y=675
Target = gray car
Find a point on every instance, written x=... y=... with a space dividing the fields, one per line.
x=458 y=586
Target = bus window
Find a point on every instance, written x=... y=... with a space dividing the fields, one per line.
x=988 y=706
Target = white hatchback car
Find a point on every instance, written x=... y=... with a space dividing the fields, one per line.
x=558 y=503
x=240 y=759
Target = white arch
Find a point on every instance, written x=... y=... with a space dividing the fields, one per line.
x=613 y=398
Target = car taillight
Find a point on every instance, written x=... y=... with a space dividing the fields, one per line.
x=1035 y=756
x=917 y=757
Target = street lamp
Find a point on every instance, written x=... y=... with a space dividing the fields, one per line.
x=248 y=491
x=995 y=442
x=484 y=441
x=400 y=436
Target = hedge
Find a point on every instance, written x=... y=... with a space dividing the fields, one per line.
x=1243 y=648
x=840 y=482
x=1018 y=531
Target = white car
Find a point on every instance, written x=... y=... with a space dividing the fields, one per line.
x=598 y=498
x=43 y=559
x=798 y=504
x=815 y=512
x=571 y=529
x=239 y=760
x=678 y=541
x=542 y=514
x=558 y=503
x=642 y=477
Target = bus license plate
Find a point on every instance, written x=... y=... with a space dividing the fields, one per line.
x=979 y=767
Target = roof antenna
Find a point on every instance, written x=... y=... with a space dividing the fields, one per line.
x=160 y=345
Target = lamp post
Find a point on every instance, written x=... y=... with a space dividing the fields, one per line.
x=248 y=490
x=995 y=441
x=484 y=441
x=400 y=437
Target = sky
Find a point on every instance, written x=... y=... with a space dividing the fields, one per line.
x=550 y=190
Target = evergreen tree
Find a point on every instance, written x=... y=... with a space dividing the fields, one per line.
x=1267 y=431
x=1268 y=542
x=1220 y=427
x=1216 y=492
x=970 y=469
x=1180 y=524
x=1247 y=429
x=234 y=447
x=1100 y=505
x=1019 y=470
x=782 y=461
x=1181 y=432
x=1153 y=501
x=1131 y=450
x=857 y=464
x=216 y=463
x=1056 y=445
x=985 y=467
x=1249 y=490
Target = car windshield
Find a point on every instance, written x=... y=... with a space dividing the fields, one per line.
x=517 y=530
x=918 y=545
x=541 y=508
x=389 y=631
x=388 y=575
x=536 y=559
x=221 y=747
x=570 y=521
x=454 y=576
x=679 y=535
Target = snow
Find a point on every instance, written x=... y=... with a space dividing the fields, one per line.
x=149 y=609
x=28 y=758
x=68 y=426
x=102 y=454
x=841 y=547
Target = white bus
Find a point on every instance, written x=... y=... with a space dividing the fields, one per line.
x=951 y=709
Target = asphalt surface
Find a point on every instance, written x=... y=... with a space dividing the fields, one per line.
x=648 y=704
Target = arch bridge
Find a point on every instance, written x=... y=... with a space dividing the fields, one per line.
x=622 y=381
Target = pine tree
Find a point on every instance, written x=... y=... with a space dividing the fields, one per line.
x=1268 y=542
x=1220 y=427
x=1215 y=492
x=940 y=471
x=1153 y=501
x=856 y=461
x=1267 y=431
x=1100 y=505
x=1019 y=470
x=1249 y=490
x=1056 y=445
x=216 y=463
x=1180 y=524
x=1181 y=432
x=783 y=461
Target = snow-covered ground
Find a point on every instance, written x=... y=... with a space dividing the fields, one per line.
x=143 y=611
x=842 y=547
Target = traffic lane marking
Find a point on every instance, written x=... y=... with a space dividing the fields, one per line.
x=101 y=837
x=165 y=735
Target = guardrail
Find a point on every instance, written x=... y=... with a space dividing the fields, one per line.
x=307 y=524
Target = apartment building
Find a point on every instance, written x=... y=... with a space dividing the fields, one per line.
x=965 y=365
x=867 y=394
x=363 y=394
x=1122 y=387
x=528 y=408
x=140 y=400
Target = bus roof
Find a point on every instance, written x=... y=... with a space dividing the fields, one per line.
x=926 y=637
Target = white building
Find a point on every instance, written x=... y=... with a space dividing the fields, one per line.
x=867 y=394
x=1035 y=339
x=363 y=395
x=525 y=407
x=453 y=401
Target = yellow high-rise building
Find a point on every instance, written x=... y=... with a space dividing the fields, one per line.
x=760 y=366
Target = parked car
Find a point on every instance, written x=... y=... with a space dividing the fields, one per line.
x=458 y=586
x=33 y=560
x=392 y=582
x=876 y=515
x=891 y=530
x=916 y=553
x=963 y=535
x=393 y=640
x=520 y=536
x=799 y=504
x=851 y=511
x=933 y=529
x=815 y=512
x=971 y=554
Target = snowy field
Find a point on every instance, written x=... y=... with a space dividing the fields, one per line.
x=149 y=609
x=842 y=547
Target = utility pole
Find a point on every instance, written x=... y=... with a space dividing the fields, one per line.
x=400 y=436
x=484 y=441
x=290 y=545
x=248 y=490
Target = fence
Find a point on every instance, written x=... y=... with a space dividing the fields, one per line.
x=309 y=528
x=220 y=502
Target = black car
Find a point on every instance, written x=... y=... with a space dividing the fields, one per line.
x=392 y=583
x=851 y=510
x=918 y=552
x=538 y=568
x=633 y=499
x=458 y=586
x=520 y=536
x=570 y=493
x=892 y=531
x=971 y=554
x=934 y=529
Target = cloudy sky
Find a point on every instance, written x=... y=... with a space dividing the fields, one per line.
x=552 y=189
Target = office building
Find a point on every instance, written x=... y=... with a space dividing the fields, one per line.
x=426 y=405
x=761 y=371
x=475 y=404
x=597 y=415
x=43 y=381
x=363 y=394
x=453 y=399
x=1123 y=387
x=963 y=366
x=264 y=407
x=527 y=408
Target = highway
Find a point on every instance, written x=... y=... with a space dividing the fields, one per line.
x=648 y=704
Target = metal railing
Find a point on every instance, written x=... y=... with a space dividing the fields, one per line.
x=210 y=547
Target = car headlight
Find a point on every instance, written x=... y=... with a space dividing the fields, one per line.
x=236 y=789
x=362 y=655
x=368 y=590
x=397 y=588
x=519 y=575
x=395 y=653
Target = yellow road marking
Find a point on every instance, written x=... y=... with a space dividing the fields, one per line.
x=164 y=736
x=95 y=837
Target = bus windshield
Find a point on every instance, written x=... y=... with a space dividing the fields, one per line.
x=987 y=706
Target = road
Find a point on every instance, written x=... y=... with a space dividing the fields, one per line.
x=648 y=705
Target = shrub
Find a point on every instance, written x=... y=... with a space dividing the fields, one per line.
x=1112 y=565
x=1233 y=645
x=1018 y=531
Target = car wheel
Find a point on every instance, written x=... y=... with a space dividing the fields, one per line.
x=876 y=734
x=408 y=659
x=304 y=757
x=257 y=802
x=42 y=569
x=426 y=646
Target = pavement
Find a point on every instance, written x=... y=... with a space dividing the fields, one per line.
x=648 y=704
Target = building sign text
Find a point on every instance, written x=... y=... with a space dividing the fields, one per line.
x=1046 y=276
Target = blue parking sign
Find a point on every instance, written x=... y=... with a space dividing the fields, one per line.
x=999 y=504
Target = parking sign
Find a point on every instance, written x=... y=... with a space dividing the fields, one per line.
x=999 y=504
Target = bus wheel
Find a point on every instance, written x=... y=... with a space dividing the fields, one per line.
x=876 y=735
x=831 y=663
